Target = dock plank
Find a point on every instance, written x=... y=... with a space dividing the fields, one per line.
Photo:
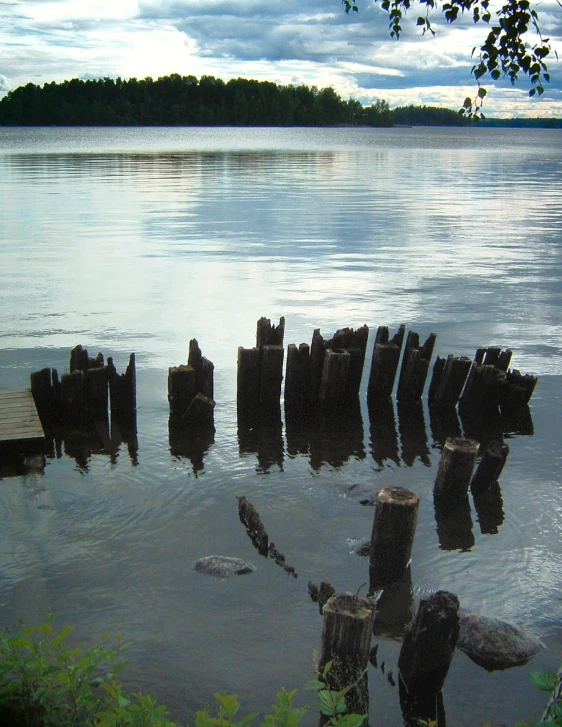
x=19 y=420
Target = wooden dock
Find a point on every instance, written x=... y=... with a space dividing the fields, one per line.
x=20 y=425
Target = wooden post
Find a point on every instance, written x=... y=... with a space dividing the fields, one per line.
x=271 y=374
x=503 y=360
x=384 y=364
x=72 y=394
x=415 y=365
x=204 y=370
x=181 y=389
x=78 y=359
x=317 y=354
x=297 y=375
x=333 y=383
x=438 y=368
x=483 y=389
x=451 y=382
x=43 y=395
x=518 y=391
x=394 y=527
x=346 y=639
x=123 y=391
x=248 y=379
x=355 y=342
x=428 y=647
x=96 y=390
x=490 y=467
x=200 y=413
x=268 y=334
x=455 y=468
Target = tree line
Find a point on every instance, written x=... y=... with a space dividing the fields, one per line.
x=187 y=101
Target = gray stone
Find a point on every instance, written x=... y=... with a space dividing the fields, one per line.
x=223 y=566
x=495 y=644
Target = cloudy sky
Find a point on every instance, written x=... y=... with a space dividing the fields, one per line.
x=285 y=41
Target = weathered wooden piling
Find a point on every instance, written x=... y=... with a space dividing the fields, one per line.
x=489 y=467
x=248 y=377
x=394 y=527
x=428 y=647
x=181 y=389
x=204 y=370
x=455 y=468
x=123 y=391
x=297 y=376
x=96 y=383
x=333 y=383
x=449 y=377
x=384 y=364
x=45 y=395
x=346 y=639
x=268 y=334
x=80 y=361
x=355 y=343
x=483 y=389
x=518 y=390
x=317 y=354
x=271 y=374
x=72 y=395
x=415 y=366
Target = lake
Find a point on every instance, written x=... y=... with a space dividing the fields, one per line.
x=139 y=240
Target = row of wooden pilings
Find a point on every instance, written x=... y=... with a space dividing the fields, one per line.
x=328 y=373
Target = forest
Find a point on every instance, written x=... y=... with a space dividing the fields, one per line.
x=187 y=101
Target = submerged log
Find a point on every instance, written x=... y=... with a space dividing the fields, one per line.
x=455 y=468
x=346 y=639
x=428 y=647
x=394 y=527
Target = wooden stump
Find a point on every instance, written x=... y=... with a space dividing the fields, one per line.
x=346 y=639
x=447 y=390
x=297 y=375
x=271 y=374
x=490 y=467
x=455 y=468
x=333 y=384
x=317 y=355
x=181 y=389
x=268 y=334
x=394 y=527
x=96 y=381
x=72 y=394
x=428 y=648
x=518 y=392
x=43 y=395
x=204 y=370
x=384 y=364
x=484 y=389
x=248 y=378
x=200 y=413
x=123 y=392
x=415 y=365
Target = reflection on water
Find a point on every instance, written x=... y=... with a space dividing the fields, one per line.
x=141 y=239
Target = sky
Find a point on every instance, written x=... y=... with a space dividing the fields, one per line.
x=311 y=42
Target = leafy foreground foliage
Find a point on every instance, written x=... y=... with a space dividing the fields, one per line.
x=45 y=683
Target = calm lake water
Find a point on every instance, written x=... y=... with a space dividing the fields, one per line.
x=140 y=239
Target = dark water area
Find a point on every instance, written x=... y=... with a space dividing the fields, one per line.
x=141 y=239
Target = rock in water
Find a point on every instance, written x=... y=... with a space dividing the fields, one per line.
x=495 y=644
x=223 y=566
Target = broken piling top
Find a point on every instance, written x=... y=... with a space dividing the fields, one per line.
x=268 y=334
x=415 y=365
x=203 y=368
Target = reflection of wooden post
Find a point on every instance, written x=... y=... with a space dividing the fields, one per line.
x=428 y=647
x=455 y=468
x=394 y=527
x=490 y=467
x=346 y=639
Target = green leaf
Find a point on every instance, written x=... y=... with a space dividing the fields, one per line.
x=545 y=680
x=314 y=685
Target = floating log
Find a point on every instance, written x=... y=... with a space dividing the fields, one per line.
x=428 y=647
x=490 y=467
x=268 y=334
x=271 y=374
x=455 y=468
x=297 y=375
x=394 y=527
x=254 y=527
x=446 y=391
x=415 y=365
x=384 y=364
x=333 y=384
x=346 y=639
x=248 y=378
x=204 y=370
x=123 y=391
